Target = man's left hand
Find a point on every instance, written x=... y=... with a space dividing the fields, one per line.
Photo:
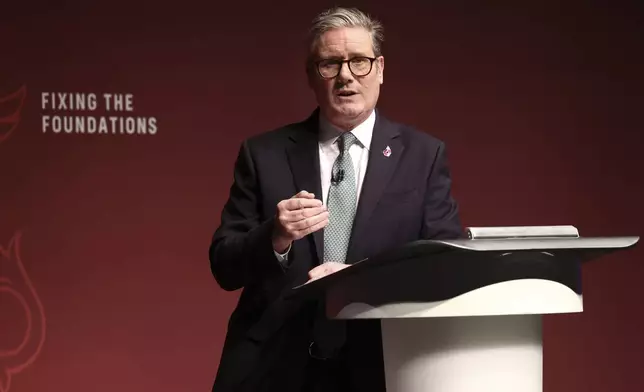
x=325 y=269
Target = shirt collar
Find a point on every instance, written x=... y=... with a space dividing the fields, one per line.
x=363 y=132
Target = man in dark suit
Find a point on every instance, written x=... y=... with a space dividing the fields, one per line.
x=313 y=197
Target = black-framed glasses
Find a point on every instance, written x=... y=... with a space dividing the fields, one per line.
x=359 y=66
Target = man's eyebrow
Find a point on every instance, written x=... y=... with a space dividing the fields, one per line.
x=338 y=57
x=331 y=57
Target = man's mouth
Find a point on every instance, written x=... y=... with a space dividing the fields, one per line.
x=345 y=93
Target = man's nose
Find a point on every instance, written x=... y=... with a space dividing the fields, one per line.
x=345 y=73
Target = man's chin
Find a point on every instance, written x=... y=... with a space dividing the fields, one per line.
x=349 y=110
x=346 y=117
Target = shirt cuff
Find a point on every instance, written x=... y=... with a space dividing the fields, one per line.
x=283 y=257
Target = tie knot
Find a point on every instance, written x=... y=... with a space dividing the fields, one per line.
x=346 y=141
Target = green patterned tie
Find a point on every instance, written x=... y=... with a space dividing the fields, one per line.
x=341 y=203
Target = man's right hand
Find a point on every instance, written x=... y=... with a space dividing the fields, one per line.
x=297 y=217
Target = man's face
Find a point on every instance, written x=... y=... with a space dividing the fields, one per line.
x=346 y=99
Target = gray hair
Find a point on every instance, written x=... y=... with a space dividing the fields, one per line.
x=339 y=17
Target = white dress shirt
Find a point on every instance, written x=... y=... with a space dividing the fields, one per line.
x=329 y=151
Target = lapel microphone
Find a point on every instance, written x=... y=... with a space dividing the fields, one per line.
x=336 y=179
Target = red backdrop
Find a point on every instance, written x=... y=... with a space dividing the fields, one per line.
x=540 y=107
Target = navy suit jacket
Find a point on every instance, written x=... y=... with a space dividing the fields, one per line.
x=406 y=196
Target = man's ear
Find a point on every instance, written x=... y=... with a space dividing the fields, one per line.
x=381 y=69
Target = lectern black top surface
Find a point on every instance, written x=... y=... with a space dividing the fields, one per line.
x=581 y=249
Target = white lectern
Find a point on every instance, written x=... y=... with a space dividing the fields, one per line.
x=465 y=315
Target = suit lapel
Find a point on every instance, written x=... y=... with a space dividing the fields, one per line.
x=303 y=158
x=380 y=169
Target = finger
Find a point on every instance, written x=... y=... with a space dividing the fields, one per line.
x=313 y=228
x=327 y=269
x=295 y=201
x=304 y=194
x=298 y=215
x=304 y=224
x=313 y=279
x=316 y=272
x=335 y=267
x=293 y=221
x=299 y=203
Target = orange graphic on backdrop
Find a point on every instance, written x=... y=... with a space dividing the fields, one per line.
x=15 y=284
x=10 y=108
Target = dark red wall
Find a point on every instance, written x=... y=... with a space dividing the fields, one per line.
x=541 y=108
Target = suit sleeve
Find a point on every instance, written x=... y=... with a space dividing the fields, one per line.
x=241 y=250
x=441 y=213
